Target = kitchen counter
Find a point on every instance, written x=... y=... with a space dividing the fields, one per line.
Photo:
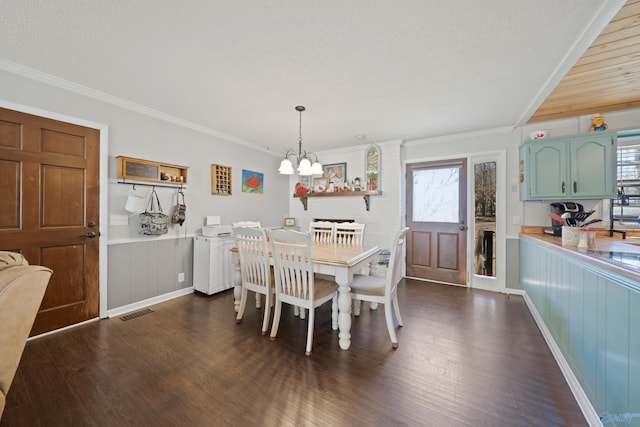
x=621 y=256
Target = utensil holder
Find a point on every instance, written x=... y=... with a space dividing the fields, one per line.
x=570 y=236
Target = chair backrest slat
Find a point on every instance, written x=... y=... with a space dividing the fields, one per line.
x=322 y=231
x=349 y=233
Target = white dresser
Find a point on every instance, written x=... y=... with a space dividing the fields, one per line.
x=212 y=265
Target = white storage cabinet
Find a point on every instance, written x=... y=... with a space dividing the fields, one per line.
x=212 y=266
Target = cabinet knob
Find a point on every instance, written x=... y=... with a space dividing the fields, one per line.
x=575 y=187
x=562 y=187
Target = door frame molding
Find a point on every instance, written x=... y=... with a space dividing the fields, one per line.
x=499 y=156
x=499 y=282
x=104 y=184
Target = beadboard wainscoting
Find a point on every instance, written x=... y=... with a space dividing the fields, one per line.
x=144 y=273
x=588 y=315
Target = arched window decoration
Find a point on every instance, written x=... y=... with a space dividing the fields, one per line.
x=372 y=167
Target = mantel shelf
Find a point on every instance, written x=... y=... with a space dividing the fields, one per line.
x=365 y=194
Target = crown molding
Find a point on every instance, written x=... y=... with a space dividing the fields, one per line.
x=42 y=77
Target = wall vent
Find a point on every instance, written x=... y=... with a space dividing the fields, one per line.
x=136 y=314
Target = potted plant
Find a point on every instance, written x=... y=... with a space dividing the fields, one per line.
x=373 y=177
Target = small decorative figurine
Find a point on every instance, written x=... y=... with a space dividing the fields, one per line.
x=597 y=123
x=300 y=189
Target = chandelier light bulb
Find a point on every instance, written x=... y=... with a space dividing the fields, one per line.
x=304 y=168
x=286 y=168
x=316 y=169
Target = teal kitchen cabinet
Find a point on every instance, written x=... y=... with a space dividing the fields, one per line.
x=573 y=167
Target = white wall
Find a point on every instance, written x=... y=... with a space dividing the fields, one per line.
x=475 y=144
x=384 y=217
x=129 y=130
x=135 y=134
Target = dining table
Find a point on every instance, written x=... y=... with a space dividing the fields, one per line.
x=333 y=259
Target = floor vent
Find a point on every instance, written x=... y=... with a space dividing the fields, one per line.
x=136 y=314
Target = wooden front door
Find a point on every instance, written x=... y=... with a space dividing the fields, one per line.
x=49 y=181
x=436 y=214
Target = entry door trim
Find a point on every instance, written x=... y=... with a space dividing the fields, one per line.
x=501 y=210
x=497 y=284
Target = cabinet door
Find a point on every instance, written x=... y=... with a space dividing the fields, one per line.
x=593 y=169
x=548 y=170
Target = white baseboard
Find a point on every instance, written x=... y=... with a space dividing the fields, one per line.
x=581 y=397
x=44 y=334
x=148 y=302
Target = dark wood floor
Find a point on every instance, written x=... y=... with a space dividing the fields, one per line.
x=466 y=358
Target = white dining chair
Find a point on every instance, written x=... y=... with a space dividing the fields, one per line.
x=255 y=270
x=349 y=233
x=322 y=231
x=250 y=224
x=384 y=290
x=294 y=279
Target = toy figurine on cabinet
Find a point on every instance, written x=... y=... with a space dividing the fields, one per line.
x=597 y=123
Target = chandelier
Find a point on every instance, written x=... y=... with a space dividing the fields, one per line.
x=302 y=158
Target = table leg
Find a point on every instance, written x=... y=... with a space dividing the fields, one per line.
x=258 y=300
x=344 y=310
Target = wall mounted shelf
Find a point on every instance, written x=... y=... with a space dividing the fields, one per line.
x=150 y=172
x=365 y=194
x=221 y=180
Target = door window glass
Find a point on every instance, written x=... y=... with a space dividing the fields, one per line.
x=484 y=177
x=435 y=195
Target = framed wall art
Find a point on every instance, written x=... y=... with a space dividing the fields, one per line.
x=305 y=181
x=320 y=185
x=252 y=182
x=336 y=174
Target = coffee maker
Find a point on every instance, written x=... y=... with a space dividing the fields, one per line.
x=560 y=208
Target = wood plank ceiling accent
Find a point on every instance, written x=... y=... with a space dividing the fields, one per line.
x=606 y=78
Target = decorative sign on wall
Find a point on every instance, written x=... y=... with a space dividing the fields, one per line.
x=252 y=182
x=372 y=162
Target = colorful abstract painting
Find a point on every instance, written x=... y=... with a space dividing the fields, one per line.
x=252 y=182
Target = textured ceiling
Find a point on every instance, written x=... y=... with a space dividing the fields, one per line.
x=381 y=68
